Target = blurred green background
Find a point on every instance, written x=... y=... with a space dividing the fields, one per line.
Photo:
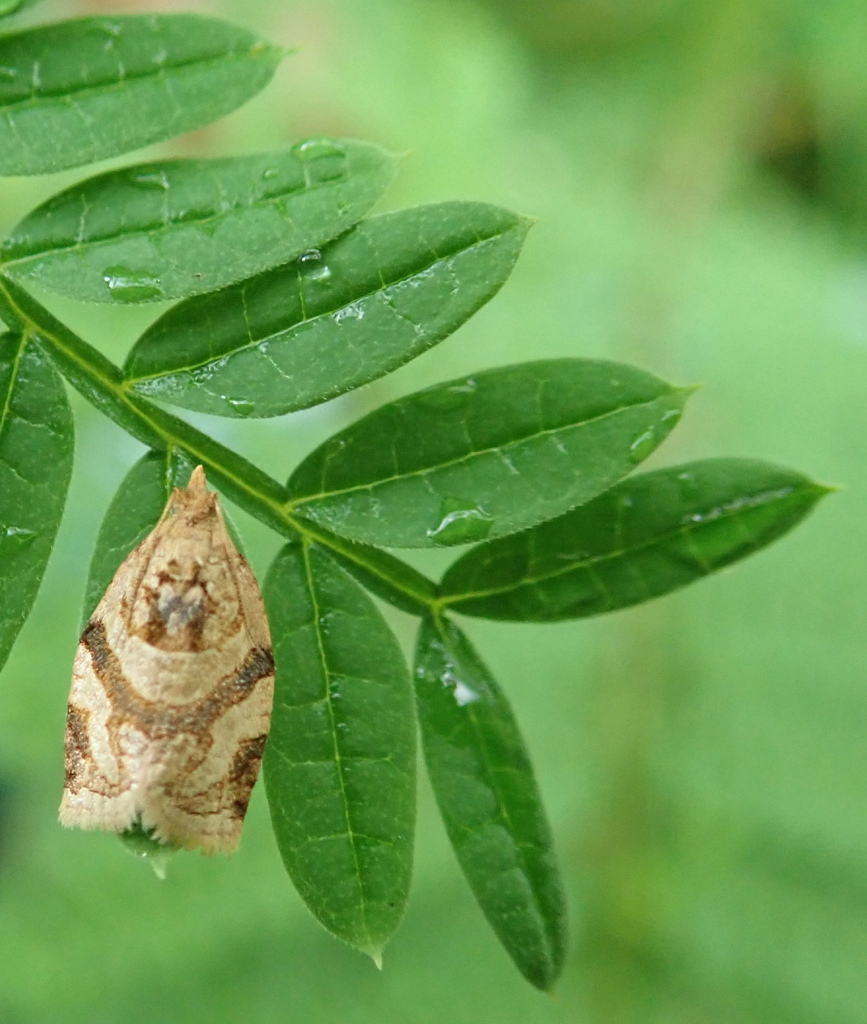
x=699 y=174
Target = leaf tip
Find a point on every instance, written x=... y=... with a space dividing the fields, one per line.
x=542 y=977
x=376 y=956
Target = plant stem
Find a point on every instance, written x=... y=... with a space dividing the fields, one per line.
x=101 y=383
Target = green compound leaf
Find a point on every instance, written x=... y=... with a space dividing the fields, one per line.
x=36 y=444
x=645 y=537
x=132 y=514
x=83 y=90
x=487 y=455
x=493 y=813
x=340 y=760
x=179 y=227
x=379 y=296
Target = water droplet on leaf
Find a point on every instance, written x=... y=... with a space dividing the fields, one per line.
x=464 y=695
x=241 y=407
x=453 y=396
x=325 y=159
x=127 y=285
x=314 y=149
x=15 y=538
x=461 y=522
x=152 y=179
x=642 y=446
x=313 y=268
x=354 y=311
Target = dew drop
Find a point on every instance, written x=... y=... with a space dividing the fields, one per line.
x=152 y=180
x=354 y=311
x=128 y=285
x=142 y=843
x=313 y=267
x=16 y=538
x=241 y=407
x=642 y=446
x=461 y=522
x=324 y=160
x=269 y=173
x=452 y=396
x=464 y=695
x=10 y=74
x=315 y=149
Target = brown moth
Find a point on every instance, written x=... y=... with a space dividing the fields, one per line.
x=172 y=687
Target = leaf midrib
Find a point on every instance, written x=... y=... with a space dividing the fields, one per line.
x=167 y=225
x=450 y=463
x=482 y=749
x=588 y=563
x=13 y=377
x=306 y=320
x=338 y=759
x=256 y=49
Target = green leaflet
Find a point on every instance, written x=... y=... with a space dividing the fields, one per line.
x=484 y=785
x=300 y=334
x=36 y=444
x=340 y=760
x=83 y=90
x=131 y=516
x=487 y=455
x=645 y=537
x=179 y=227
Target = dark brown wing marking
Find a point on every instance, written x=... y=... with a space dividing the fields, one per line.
x=165 y=721
x=78 y=755
x=160 y=720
